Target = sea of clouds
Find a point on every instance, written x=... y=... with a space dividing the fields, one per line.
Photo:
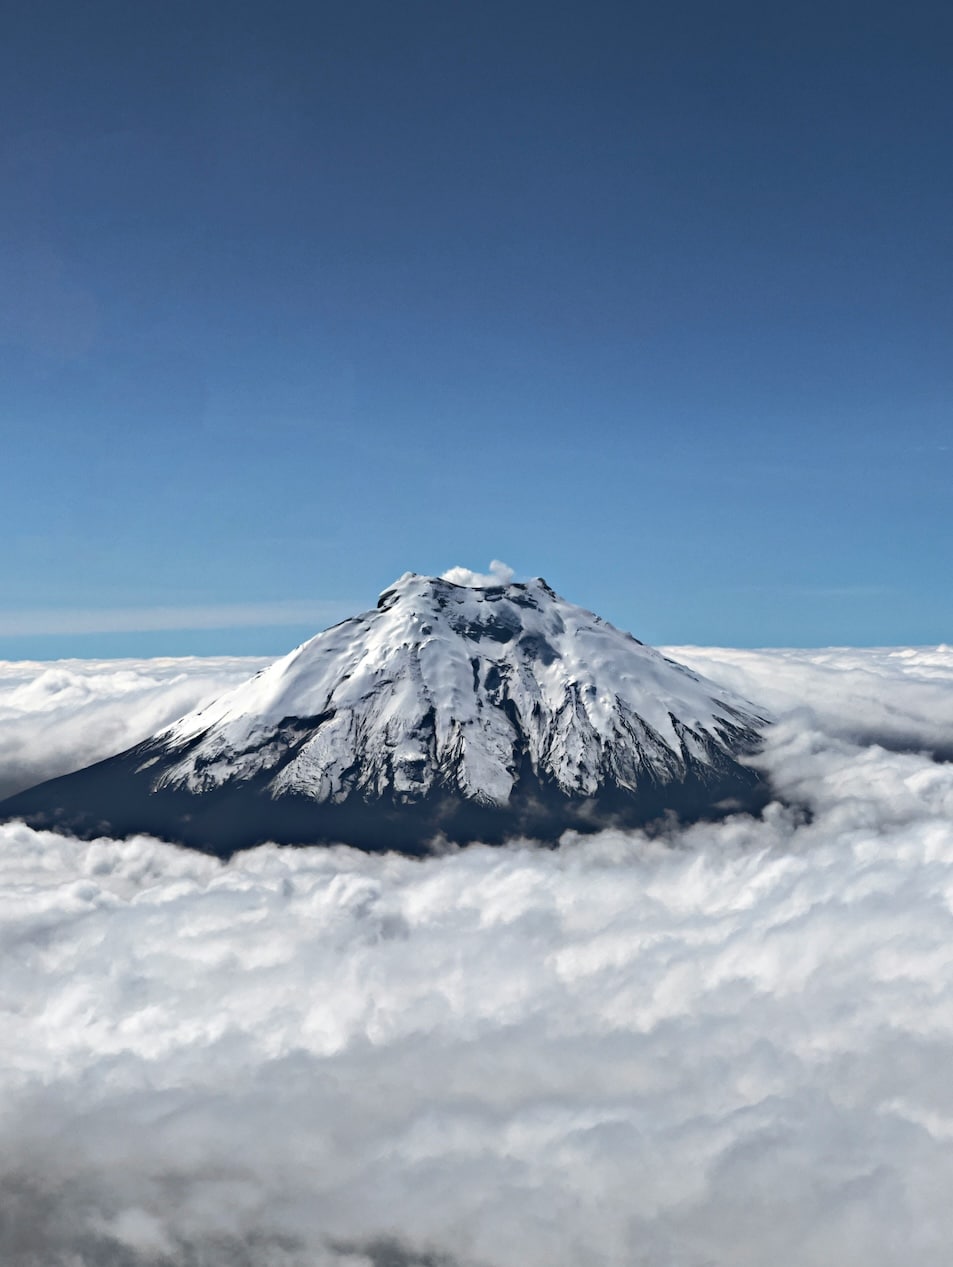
x=56 y=716
x=727 y=1047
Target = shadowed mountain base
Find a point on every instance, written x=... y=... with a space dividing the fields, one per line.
x=115 y=798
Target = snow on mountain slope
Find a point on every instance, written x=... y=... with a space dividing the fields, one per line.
x=454 y=687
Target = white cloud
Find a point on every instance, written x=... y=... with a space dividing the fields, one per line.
x=724 y=1049
x=499 y=574
x=56 y=716
x=899 y=696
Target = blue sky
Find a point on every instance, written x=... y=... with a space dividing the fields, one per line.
x=652 y=300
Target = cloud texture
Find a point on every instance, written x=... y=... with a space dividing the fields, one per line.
x=57 y=716
x=901 y=697
x=727 y=1048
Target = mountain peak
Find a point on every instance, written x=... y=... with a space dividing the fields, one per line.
x=462 y=588
x=468 y=704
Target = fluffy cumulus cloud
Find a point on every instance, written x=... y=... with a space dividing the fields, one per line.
x=722 y=1048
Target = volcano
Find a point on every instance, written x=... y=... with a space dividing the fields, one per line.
x=450 y=712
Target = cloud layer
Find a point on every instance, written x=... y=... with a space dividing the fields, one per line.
x=898 y=696
x=721 y=1049
x=60 y=715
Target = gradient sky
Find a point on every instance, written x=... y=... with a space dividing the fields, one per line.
x=652 y=300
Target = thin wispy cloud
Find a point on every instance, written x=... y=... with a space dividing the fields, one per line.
x=78 y=620
x=816 y=591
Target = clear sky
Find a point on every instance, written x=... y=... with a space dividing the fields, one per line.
x=653 y=300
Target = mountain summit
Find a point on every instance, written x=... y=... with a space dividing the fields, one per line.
x=479 y=710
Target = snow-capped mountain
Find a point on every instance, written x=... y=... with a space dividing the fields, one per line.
x=463 y=710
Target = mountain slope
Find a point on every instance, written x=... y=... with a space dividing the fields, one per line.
x=470 y=711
